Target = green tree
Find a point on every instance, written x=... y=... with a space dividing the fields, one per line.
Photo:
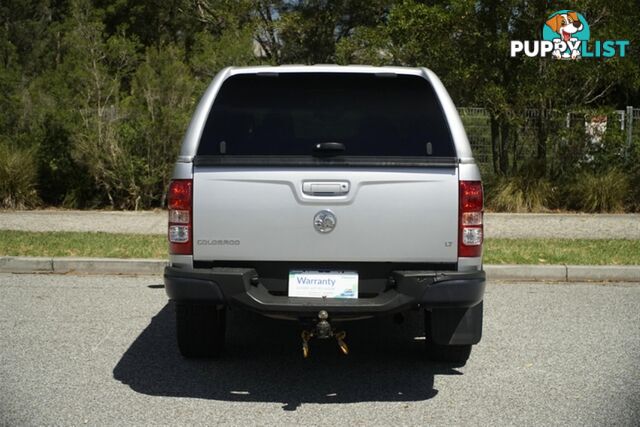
x=467 y=44
x=158 y=112
x=94 y=69
x=97 y=93
x=307 y=31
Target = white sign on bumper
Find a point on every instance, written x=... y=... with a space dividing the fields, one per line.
x=323 y=284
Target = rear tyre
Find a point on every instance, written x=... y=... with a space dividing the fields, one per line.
x=458 y=354
x=200 y=329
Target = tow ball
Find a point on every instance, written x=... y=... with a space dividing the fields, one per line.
x=323 y=330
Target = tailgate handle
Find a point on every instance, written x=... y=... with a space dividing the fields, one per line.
x=325 y=188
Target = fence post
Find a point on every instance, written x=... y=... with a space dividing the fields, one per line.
x=629 y=130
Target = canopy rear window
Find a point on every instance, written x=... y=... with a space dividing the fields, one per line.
x=287 y=114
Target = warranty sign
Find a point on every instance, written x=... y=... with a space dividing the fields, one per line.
x=323 y=284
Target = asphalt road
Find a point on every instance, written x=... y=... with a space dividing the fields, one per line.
x=100 y=351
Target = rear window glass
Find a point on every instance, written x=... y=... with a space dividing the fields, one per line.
x=288 y=114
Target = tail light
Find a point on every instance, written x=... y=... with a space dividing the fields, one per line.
x=180 y=217
x=470 y=222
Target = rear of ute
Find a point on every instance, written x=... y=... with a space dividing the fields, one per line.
x=358 y=177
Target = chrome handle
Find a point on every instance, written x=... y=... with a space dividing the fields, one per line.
x=325 y=188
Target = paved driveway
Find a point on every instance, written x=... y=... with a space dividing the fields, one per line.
x=568 y=226
x=99 y=350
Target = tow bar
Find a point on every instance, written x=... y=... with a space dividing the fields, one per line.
x=323 y=330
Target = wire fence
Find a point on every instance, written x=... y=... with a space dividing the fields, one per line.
x=554 y=130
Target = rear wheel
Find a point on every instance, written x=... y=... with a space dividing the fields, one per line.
x=443 y=353
x=200 y=329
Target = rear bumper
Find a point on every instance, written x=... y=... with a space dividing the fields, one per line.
x=401 y=291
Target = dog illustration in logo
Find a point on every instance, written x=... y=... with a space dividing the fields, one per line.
x=566 y=25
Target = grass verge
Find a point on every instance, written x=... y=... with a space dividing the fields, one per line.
x=497 y=251
x=562 y=251
x=79 y=244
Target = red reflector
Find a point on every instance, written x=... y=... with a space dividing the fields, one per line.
x=181 y=248
x=470 y=196
x=180 y=220
x=470 y=232
x=180 y=194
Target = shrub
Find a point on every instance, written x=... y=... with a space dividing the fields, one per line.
x=61 y=180
x=604 y=192
x=18 y=177
x=520 y=194
x=633 y=166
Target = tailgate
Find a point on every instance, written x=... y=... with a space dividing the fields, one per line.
x=403 y=215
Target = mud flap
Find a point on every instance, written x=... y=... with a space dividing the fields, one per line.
x=456 y=326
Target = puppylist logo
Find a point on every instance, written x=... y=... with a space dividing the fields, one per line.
x=566 y=35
